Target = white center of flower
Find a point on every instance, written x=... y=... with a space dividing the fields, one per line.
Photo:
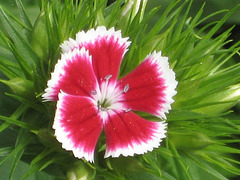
x=109 y=97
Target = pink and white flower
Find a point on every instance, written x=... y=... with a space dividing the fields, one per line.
x=90 y=97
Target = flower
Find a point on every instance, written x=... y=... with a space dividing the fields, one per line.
x=90 y=98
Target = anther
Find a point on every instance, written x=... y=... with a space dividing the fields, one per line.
x=108 y=77
x=103 y=109
x=127 y=110
x=126 y=88
x=93 y=92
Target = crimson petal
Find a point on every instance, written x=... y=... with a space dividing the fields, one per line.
x=73 y=74
x=107 y=48
x=129 y=134
x=150 y=87
x=77 y=125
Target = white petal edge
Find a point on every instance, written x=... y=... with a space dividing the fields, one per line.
x=61 y=135
x=168 y=75
x=143 y=147
x=91 y=36
x=59 y=71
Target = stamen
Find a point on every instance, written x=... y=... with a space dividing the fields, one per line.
x=93 y=92
x=103 y=109
x=126 y=88
x=104 y=87
x=108 y=77
x=127 y=110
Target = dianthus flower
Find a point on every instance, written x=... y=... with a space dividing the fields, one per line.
x=90 y=97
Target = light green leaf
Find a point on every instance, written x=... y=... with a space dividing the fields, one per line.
x=23 y=14
x=22 y=46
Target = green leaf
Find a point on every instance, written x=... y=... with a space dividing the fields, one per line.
x=5 y=151
x=42 y=161
x=17 y=122
x=15 y=19
x=21 y=169
x=19 y=111
x=21 y=87
x=30 y=103
x=23 y=14
x=22 y=136
x=223 y=149
x=181 y=165
x=17 y=149
x=9 y=69
x=29 y=56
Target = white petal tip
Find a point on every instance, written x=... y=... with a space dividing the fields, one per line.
x=92 y=35
x=142 y=147
x=169 y=76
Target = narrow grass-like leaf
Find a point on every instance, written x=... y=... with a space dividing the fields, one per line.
x=181 y=24
x=213 y=81
x=23 y=14
x=6 y=69
x=180 y=115
x=4 y=51
x=162 y=21
x=221 y=163
x=42 y=161
x=31 y=104
x=205 y=49
x=40 y=157
x=18 y=149
x=22 y=136
x=19 y=111
x=194 y=21
x=23 y=66
x=229 y=141
x=17 y=123
x=168 y=176
x=4 y=126
x=219 y=24
x=5 y=151
x=50 y=161
x=208 y=169
x=115 y=11
x=221 y=61
x=21 y=44
x=182 y=169
x=223 y=149
x=217 y=13
x=231 y=160
x=100 y=19
x=15 y=19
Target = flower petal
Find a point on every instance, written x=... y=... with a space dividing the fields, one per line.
x=150 y=87
x=129 y=134
x=107 y=48
x=77 y=125
x=73 y=74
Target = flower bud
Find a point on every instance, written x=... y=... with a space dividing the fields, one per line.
x=189 y=141
x=221 y=101
x=80 y=171
x=20 y=87
x=47 y=139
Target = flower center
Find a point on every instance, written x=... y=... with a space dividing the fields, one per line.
x=109 y=97
x=103 y=106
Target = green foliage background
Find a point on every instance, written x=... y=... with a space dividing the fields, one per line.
x=203 y=133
